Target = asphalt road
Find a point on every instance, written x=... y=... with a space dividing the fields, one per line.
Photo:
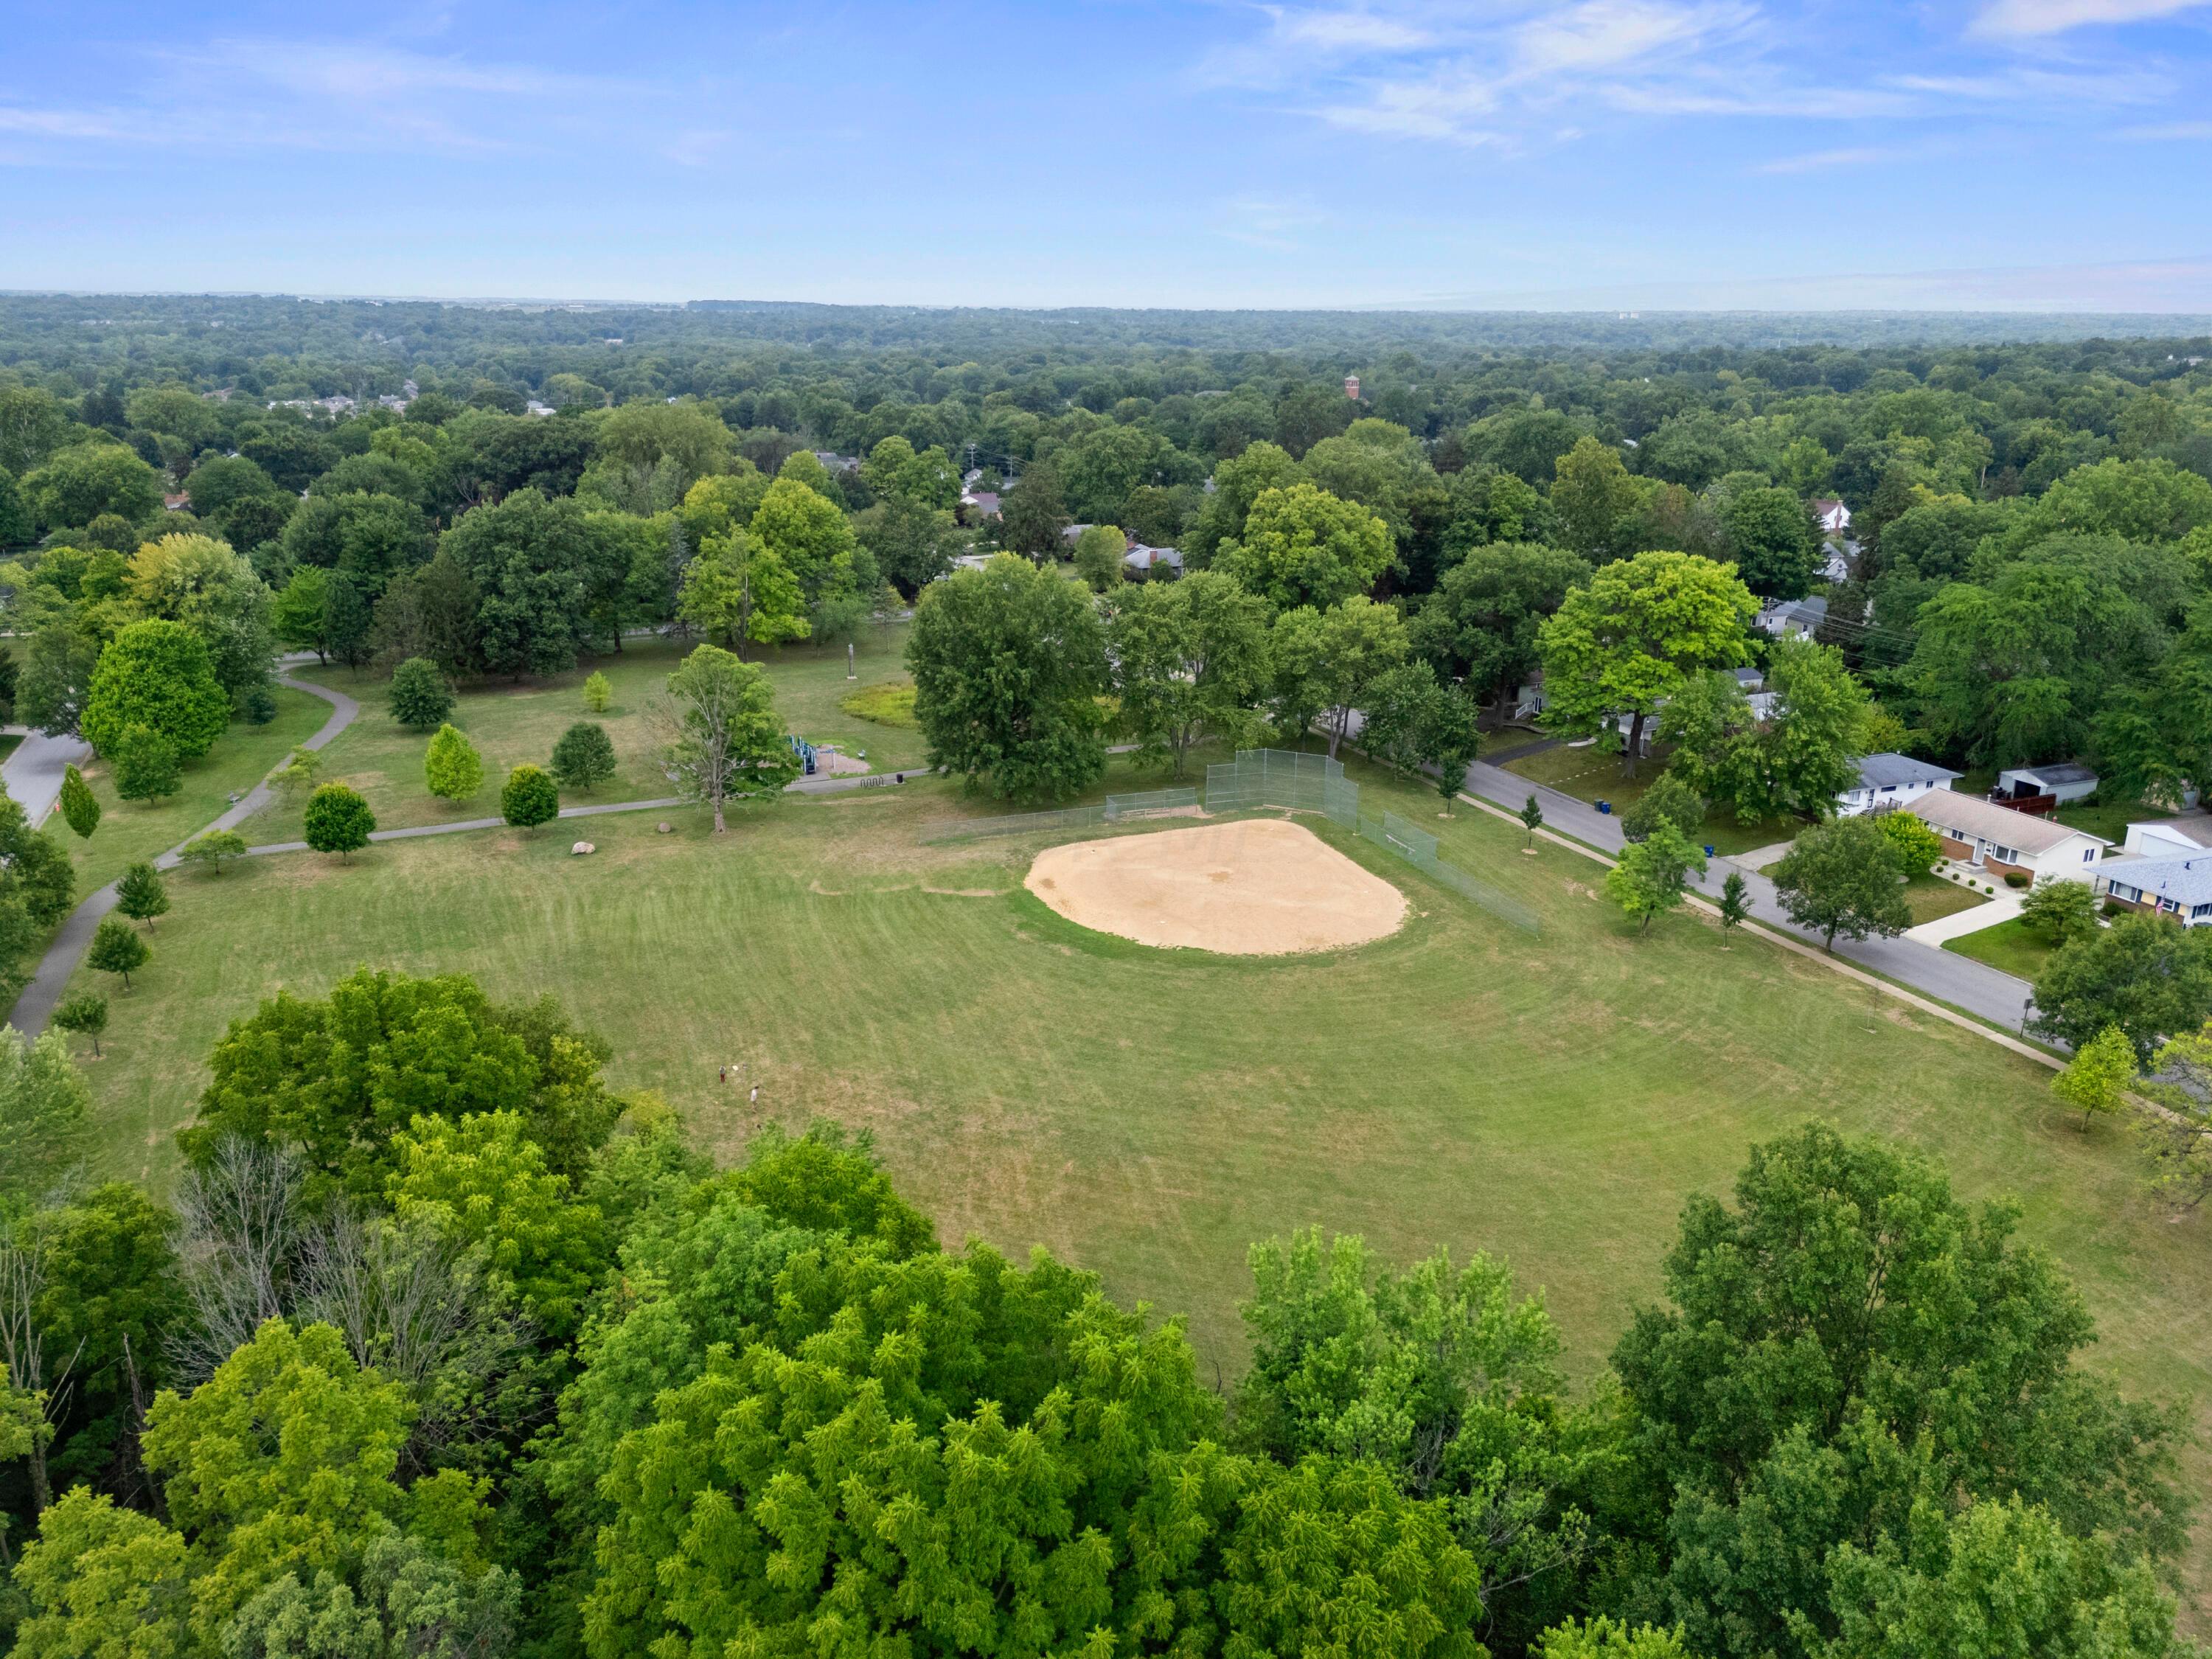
x=1943 y=974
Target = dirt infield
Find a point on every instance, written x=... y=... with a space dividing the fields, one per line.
x=1259 y=887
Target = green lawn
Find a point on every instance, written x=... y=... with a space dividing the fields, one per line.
x=1149 y=1114
x=10 y=741
x=131 y=830
x=1589 y=776
x=510 y=723
x=1932 y=898
x=2011 y=947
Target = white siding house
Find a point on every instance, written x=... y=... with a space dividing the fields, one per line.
x=1887 y=780
x=1980 y=832
x=2067 y=780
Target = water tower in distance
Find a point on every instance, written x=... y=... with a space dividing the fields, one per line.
x=1351 y=387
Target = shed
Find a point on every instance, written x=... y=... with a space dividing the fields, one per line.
x=2063 y=781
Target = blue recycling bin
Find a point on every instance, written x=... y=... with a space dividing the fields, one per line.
x=1709 y=850
x=1605 y=806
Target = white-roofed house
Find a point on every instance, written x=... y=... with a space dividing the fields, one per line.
x=2182 y=837
x=1886 y=781
x=2179 y=888
x=1990 y=836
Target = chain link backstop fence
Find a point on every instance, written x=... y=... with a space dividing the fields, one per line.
x=1257 y=779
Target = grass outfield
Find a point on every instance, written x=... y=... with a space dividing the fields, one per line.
x=512 y=722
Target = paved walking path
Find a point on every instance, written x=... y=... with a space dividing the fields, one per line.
x=36 y=1004
x=33 y=775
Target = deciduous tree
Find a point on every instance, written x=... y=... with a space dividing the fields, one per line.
x=452 y=768
x=85 y=1014
x=2098 y=1077
x=1189 y=662
x=420 y=696
x=117 y=949
x=156 y=674
x=1009 y=663
x=1625 y=644
x=142 y=895
x=719 y=733
x=1653 y=875
x=2147 y=974
x=1302 y=546
x=209 y=851
x=529 y=798
x=145 y=765
x=80 y=806
x=1842 y=878
x=339 y=820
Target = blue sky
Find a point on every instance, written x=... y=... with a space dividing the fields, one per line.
x=2000 y=154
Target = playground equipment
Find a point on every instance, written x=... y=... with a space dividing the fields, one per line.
x=805 y=750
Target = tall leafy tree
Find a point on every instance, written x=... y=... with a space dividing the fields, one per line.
x=1842 y=878
x=1625 y=643
x=339 y=1076
x=720 y=736
x=2147 y=974
x=1009 y=663
x=1652 y=875
x=1595 y=500
x=1481 y=622
x=544 y=572
x=1302 y=546
x=1190 y=661
x=157 y=674
x=1847 y=1342
x=739 y=591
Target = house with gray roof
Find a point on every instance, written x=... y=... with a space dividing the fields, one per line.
x=2179 y=888
x=1987 y=835
x=1886 y=781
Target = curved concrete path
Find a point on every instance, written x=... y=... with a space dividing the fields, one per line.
x=33 y=775
x=35 y=1005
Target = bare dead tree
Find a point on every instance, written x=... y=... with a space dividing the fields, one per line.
x=414 y=1304
x=23 y=1354
x=240 y=1234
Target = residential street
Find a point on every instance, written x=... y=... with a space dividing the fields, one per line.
x=1944 y=975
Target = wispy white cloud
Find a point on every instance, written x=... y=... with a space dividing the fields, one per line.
x=1618 y=35
x=2010 y=18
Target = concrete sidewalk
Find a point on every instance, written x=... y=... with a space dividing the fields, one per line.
x=1960 y=923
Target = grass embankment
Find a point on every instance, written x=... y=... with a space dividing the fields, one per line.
x=512 y=722
x=129 y=831
x=1589 y=776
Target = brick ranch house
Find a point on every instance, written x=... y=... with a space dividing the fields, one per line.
x=1982 y=833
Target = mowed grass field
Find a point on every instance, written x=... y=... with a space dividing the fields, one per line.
x=510 y=723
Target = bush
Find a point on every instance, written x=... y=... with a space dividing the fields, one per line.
x=598 y=693
x=2018 y=878
x=584 y=757
x=2062 y=911
x=255 y=704
x=890 y=703
x=80 y=806
x=339 y=820
x=529 y=798
x=452 y=767
x=145 y=765
x=211 y=849
x=420 y=696
x=1917 y=846
x=117 y=949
